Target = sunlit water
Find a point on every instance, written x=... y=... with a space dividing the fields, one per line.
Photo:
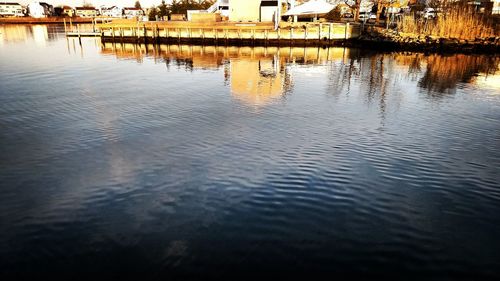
x=202 y=161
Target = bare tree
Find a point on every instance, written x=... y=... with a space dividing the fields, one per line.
x=354 y=5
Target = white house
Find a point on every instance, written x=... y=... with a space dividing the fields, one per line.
x=86 y=12
x=36 y=10
x=113 y=12
x=220 y=6
x=133 y=12
x=11 y=9
x=496 y=7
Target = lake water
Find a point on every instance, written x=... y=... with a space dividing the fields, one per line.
x=197 y=162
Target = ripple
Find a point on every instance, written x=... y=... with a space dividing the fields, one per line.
x=140 y=165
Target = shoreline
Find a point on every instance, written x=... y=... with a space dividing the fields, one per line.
x=50 y=20
x=394 y=41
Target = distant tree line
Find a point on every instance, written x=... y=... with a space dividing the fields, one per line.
x=178 y=7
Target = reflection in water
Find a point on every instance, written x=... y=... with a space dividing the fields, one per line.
x=40 y=34
x=256 y=75
x=259 y=74
x=444 y=72
x=138 y=158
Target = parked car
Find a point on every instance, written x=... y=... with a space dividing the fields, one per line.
x=366 y=16
x=429 y=13
x=347 y=15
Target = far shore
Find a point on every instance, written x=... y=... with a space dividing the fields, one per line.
x=50 y=20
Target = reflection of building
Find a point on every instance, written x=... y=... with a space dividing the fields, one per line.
x=257 y=81
x=14 y=33
x=40 y=34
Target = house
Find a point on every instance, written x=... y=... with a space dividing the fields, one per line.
x=36 y=10
x=221 y=7
x=48 y=9
x=113 y=12
x=254 y=11
x=68 y=11
x=133 y=12
x=11 y=9
x=85 y=12
x=496 y=7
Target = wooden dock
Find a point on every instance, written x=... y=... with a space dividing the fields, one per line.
x=225 y=33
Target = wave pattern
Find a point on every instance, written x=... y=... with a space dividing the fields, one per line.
x=117 y=166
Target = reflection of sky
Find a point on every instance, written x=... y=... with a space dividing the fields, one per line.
x=490 y=81
x=129 y=151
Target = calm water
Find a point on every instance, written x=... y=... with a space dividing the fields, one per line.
x=187 y=161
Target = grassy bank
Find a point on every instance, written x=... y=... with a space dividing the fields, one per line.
x=459 y=22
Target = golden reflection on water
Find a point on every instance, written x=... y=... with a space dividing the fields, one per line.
x=259 y=74
x=256 y=75
x=39 y=33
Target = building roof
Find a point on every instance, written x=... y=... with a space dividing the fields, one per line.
x=85 y=8
x=9 y=3
x=133 y=8
x=108 y=8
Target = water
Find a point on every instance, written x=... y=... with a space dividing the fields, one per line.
x=197 y=162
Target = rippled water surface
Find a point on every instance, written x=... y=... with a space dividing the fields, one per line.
x=201 y=161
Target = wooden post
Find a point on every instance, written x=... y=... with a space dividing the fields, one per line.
x=345 y=31
x=330 y=32
x=65 y=32
x=305 y=34
x=179 y=35
x=145 y=36
x=113 y=33
x=266 y=37
x=166 y=34
x=157 y=35
x=79 y=37
x=215 y=35
x=319 y=31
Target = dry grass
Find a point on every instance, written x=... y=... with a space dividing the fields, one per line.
x=460 y=23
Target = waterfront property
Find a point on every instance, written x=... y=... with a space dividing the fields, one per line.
x=86 y=12
x=68 y=11
x=254 y=11
x=131 y=12
x=11 y=9
x=113 y=11
x=230 y=33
